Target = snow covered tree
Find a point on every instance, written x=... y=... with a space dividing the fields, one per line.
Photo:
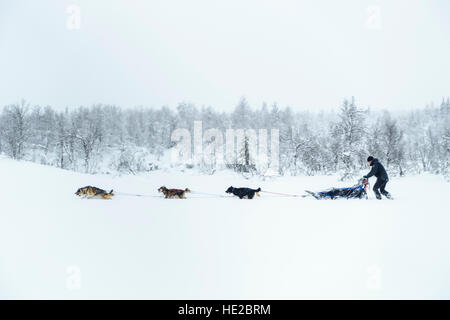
x=15 y=129
x=242 y=116
x=106 y=137
x=245 y=160
x=385 y=142
x=349 y=135
x=309 y=157
x=392 y=143
x=61 y=140
x=87 y=134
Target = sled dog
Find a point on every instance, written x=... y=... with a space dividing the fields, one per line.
x=244 y=193
x=91 y=192
x=173 y=193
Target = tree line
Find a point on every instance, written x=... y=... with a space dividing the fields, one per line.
x=107 y=138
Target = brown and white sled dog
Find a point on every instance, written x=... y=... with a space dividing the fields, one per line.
x=94 y=192
x=174 y=193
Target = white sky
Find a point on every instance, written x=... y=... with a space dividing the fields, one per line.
x=306 y=54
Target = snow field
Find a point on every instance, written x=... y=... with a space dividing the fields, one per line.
x=218 y=247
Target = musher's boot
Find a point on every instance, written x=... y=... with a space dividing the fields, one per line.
x=378 y=195
x=387 y=195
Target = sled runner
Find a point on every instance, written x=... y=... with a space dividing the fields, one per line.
x=358 y=191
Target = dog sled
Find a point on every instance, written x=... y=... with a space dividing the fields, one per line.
x=358 y=191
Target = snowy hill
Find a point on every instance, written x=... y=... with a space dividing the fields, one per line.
x=56 y=245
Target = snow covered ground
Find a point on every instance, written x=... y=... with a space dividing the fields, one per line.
x=56 y=245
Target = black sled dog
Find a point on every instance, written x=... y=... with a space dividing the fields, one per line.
x=244 y=193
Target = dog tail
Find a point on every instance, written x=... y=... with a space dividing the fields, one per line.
x=187 y=190
x=258 y=190
x=111 y=192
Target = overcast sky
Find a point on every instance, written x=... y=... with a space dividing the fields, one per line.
x=306 y=54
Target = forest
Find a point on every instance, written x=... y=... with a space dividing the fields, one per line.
x=112 y=139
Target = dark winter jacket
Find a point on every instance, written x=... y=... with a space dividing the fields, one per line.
x=377 y=171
